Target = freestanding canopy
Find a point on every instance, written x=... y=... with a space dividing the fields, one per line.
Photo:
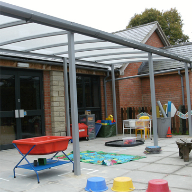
x=36 y=36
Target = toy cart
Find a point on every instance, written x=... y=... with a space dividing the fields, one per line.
x=82 y=131
x=42 y=146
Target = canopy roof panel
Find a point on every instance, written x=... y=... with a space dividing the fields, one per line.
x=28 y=34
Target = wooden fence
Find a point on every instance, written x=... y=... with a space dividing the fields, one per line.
x=178 y=125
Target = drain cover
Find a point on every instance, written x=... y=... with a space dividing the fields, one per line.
x=119 y=143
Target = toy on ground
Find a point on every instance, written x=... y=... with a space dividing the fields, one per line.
x=152 y=150
x=96 y=184
x=122 y=184
x=158 y=185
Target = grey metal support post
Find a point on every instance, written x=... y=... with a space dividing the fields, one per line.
x=188 y=98
x=114 y=96
x=182 y=87
x=153 y=100
x=66 y=96
x=74 y=109
x=105 y=93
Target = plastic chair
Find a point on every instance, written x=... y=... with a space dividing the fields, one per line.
x=144 y=125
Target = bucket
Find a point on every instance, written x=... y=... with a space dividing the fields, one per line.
x=158 y=185
x=162 y=126
x=96 y=184
x=123 y=184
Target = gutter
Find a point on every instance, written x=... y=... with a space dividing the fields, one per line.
x=51 y=63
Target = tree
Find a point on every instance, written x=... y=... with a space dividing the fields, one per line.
x=170 y=22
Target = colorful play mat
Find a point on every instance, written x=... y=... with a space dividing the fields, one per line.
x=102 y=158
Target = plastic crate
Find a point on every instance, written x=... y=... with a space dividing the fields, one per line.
x=91 y=124
x=129 y=140
x=86 y=118
x=91 y=133
x=90 y=130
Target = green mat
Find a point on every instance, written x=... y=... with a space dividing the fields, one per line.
x=102 y=158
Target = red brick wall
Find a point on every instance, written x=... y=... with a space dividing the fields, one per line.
x=154 y=41
x=109 y=98
x=47 y=102
x=129 y=91
x=167 y=88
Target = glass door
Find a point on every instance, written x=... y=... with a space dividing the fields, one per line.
x=31 y=98
x=21 y=105
x=8 y=131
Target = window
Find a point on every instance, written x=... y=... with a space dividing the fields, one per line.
x=88 y=94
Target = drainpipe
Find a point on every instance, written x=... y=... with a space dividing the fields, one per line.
x=105 y=93
x=182 y=87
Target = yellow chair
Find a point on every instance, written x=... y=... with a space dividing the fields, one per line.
x=143 y=126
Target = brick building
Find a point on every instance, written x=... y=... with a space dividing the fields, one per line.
x=135 y=92
x=168 y=85
x=38 y=89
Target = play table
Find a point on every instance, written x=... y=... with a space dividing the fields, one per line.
x=42 y=146
x=185 y=147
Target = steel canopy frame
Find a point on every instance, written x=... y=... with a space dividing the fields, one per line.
x=33 y=37
x=47 y=57
x=31 y=16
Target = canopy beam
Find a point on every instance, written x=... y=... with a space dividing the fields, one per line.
x=36 y=17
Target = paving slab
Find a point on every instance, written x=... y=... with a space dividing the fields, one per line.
x=150 y=158
x=177 y=189
x=165 y=165
x=160 y=168
x=140 y=176
x=185 y=171
x=172 y=161
x=134 y=165
x=180 y=182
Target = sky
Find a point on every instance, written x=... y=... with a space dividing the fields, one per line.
x=106 y=15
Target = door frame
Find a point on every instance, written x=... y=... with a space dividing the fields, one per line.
x=22 y=72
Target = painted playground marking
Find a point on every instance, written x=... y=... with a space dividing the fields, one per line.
x=114 y=151
x=87 y=169
x=20 y=174
x=4 y=179
x=92 y=170
x=64 y=174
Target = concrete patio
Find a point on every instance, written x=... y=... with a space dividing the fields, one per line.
x=165 y=165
